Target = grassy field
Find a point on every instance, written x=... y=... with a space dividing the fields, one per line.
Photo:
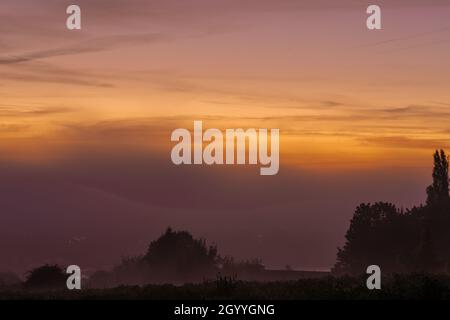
x=417 y=286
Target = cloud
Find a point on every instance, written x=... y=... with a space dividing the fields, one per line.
x=441 y=103
x=13 y=128
x=27 y=77
x=330 y=103
x=343 y=121
x=38 y=71
x=87 y=46
x=21 y=111
x=408 y=37
x=421 y=45
x=407 y=142
x=414 y=111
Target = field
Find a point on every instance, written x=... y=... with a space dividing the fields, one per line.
x=415 y=286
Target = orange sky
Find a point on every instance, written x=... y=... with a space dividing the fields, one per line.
x=340 y=94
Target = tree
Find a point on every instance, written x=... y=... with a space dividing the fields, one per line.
x=375 y=236
x=397 y=241
x=46 y=277
x=177 y=256
x=437 y=192
x=426 y=260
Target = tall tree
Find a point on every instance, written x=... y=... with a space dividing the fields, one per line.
x=437 y=192
x=375 y=236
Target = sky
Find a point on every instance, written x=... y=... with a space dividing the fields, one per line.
x=86 y=117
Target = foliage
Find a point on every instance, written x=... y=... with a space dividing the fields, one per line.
x=397 y=241
x=46 y=277
x=437 y=192
x=177 y=255
x=396 y=287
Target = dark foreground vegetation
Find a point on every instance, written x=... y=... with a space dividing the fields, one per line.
x=402 y=240
x=414 y=286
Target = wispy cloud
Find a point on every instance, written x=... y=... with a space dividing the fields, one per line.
x=87 y=46
x=63 y=79
x=407 y=142
x=31 y=111
x=13 y=128
x=408 y=37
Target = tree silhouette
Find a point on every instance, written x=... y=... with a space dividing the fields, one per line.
x=372 y=238
x=426 y=260
x=46 y=277
x=415 y=240
x=176 y=255
x=435 y=215
x=437 y=192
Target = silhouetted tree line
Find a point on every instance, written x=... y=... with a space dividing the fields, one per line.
x=175 y=257
x=411 y=240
